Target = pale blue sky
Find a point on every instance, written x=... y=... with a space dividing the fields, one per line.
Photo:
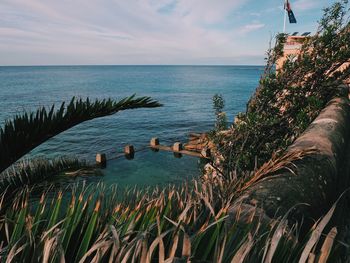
x=78 y=32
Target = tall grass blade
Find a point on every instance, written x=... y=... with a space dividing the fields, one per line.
x=328 y=245
x=316 y=234
x=278 y=234
x=243 y=251
x=13 y=252
x=88 y=233
x=186 y=247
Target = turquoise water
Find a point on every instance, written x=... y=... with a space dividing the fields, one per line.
x=185 y=91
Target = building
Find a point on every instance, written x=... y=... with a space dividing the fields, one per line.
x=291 y=47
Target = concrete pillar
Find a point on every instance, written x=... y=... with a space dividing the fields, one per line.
x=129 y=150
x=177 y=146
x=154 y=142
x=101 y=159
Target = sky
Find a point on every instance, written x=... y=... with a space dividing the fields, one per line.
x=146 y=32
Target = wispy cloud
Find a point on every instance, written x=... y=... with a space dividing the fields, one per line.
x=168 y=7
x=251 y=27
x=134 y=31
x=304 y=5
x=207 y=11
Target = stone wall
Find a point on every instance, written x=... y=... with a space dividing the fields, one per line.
x=316 y=180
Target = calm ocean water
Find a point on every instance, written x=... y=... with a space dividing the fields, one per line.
x=185 y=91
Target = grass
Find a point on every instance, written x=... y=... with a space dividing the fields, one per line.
x=175 y=224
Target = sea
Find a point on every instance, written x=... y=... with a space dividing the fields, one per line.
x=185 y=91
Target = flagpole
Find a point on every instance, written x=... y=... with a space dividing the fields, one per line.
x=285 y=16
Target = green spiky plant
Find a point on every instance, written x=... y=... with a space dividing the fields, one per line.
x=27 y=131
x=40 y=174
x=176 y=224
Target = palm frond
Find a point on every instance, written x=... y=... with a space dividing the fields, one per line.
x=39 y=173
x=28 y=130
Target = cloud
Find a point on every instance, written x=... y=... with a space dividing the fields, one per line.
x=133 y=31
x=168 y=7
x=207 y=11
x=251 y=27
x=257 y=14
x=107 y=31
x=304 y=5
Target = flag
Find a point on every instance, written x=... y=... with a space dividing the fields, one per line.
x=291 y=16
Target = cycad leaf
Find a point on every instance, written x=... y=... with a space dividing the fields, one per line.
x=27 y=131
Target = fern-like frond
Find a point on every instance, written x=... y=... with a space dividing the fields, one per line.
x=38 y=173
x=28 y=130
x=28 y=173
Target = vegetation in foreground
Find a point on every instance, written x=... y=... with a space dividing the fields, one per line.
x=193 y=222
x=184 y=224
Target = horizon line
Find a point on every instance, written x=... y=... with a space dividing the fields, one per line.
x=134 y=65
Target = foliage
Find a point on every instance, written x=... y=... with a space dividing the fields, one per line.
x=188 y=223
x=27 y=173
x=27 y=131
x=40 y=173
x=218 y=106
x=286 y=102
x=26 y=178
